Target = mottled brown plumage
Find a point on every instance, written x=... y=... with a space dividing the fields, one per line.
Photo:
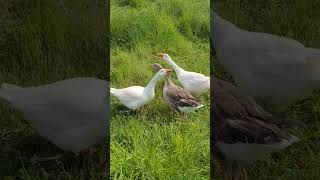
x=176 y=96
x=242 y=131
x=238 y=118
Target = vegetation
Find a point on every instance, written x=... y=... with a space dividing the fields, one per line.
x=45 y=41
x=154 y=144
x=299 y=20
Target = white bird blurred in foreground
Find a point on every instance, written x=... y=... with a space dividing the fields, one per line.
x=267 y=66
x=71 y=114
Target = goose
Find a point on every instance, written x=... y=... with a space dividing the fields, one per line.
x=136 y=96
x=272 y=68
x=243 y=131
x=193 y=82
x=176 y=97
x=72 y=113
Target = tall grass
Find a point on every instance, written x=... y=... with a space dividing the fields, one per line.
x=299 y=20
x=46 y=41
x=153 y=144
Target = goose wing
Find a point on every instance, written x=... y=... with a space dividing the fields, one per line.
x=181 y=97
x=240 y=119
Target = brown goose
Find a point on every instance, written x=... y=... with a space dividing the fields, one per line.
x=177 y=98
x=242 y=130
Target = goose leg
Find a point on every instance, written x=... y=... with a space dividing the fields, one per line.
x=138 y=111
x=92 y=151
x=233 y=171
x=237 y=172
x=173 y=113
x=183 y=115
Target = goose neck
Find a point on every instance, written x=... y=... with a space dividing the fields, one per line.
x=174 y=66
x=168 y=81
x=152 y=83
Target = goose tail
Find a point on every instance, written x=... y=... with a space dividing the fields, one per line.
x=200 y=106
x=5 y=88
x=293 y=139
x=285 y=143
x=113 y=91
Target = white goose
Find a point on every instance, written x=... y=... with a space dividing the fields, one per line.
x=193 y=82
x=71 y=114
x=136 y=96
x=177 y=98
x=277 y=69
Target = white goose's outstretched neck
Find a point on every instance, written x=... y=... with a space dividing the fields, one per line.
x=174 y=66
x=152 y=83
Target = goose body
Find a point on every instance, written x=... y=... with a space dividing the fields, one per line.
x=136 y=96
x=276 y=69
x=194 y=83
x=179 y=99
x=71 y=114
x=176 y=97
x=243 y=130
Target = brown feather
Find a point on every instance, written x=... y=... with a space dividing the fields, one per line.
x=238 y=118
x=176 y=96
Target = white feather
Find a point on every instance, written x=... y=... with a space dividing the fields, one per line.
x=195 y=83
x=189 y=109
x=132 y=97
x=136 y=96
x=249 y=152
x=266 y=65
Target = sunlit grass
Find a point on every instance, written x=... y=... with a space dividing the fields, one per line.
x=154 y=144
x=299 y=20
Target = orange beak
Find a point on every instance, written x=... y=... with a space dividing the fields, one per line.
x=168 y=71
x=161 y=55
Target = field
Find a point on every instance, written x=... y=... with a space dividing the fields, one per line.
x=42 y=42
x=154 y=144
x=299 y=20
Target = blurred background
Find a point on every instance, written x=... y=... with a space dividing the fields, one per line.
x=42 y=42
x=299 y=20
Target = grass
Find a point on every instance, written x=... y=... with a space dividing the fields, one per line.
x=153 y=144
x=46 y=41
x=299 y=20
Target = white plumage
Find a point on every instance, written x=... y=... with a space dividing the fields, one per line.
x=194 y=83
x=136 y=96
x=189 y=109
x=71 y=114
x=267 y=66
x=250 y=152
x=132 y=97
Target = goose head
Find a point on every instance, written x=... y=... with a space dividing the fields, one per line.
x=164 y=72
x=156 y=67
x=164 y=56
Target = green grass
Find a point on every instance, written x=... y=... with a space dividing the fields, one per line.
x=299 y=20
x=153 y=144
x=45 y=41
